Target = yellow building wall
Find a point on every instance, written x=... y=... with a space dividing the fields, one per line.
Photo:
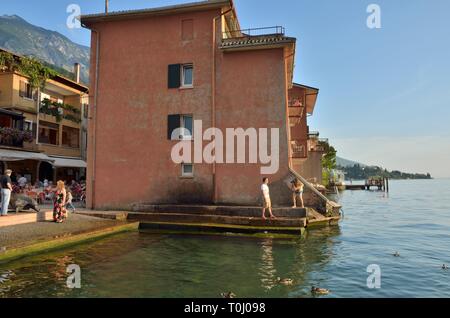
x=6 y=89
x=18 y=102
x=9 y=97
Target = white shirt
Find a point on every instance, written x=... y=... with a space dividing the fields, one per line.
x=22 y=181
x=265 y=189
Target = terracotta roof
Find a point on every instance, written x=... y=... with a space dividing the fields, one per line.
x=251 y=41
x=311 y=96
x=126 y=14
x=306 y=87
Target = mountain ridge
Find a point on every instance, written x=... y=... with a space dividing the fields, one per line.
x=21 y=37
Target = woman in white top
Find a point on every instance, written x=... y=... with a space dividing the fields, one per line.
x=267 y=204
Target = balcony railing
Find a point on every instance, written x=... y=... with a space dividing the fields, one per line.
x=13 y=137
x=60 y=111
x=317 y=144
x=313 y=135
x=298 y=149
x=274 y=30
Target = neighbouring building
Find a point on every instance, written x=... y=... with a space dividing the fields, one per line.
x=155 y=70
x=307 y=148
x=43 y=133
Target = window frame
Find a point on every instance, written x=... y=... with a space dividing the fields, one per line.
x=187 y=175
x=182 y=125
x=183 y=68
x=28 y=89
x=65 y=129
x=30 y=122
x=50 y=126
x=179 y=124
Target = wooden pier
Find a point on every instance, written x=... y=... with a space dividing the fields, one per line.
x=380 y=183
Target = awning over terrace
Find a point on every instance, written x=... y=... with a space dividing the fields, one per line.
x=14 y=155
x=59 y=162
x=68 y=162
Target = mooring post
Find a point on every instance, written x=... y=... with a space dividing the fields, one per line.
x=387 y=184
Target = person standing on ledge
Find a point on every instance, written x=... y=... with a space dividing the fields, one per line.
x=297 y=192
x=6 y=184
x=267 y=204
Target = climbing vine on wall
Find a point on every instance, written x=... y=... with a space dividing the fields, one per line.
x=30 y=67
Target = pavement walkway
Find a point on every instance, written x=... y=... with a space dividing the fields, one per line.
x=22 y=239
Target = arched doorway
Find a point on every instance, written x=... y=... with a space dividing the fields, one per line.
x=45 y=171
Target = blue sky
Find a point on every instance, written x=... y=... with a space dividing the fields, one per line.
x=384 y=93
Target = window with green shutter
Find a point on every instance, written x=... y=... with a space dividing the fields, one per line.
x=186 y=122
x=173 y=123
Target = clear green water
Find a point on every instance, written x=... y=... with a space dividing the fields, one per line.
x=413 y=220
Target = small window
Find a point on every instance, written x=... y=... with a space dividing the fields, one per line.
x=187 y=79
x=187 y=170
x=182 y=125
x=25 y=91
x=187 y=29
x=28 y=125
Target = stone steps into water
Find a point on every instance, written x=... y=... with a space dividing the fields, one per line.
x=238 y=211
x=215 y=228
x=216 y=219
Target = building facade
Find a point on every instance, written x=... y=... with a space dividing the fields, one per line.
x=307 y=147
x=183 y=64
x=43 y=131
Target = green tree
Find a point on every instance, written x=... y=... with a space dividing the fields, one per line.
x=328 y=161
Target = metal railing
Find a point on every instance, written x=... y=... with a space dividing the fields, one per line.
x=313 y=134
x=298 y=149
x=274 y=30
x=13 y=137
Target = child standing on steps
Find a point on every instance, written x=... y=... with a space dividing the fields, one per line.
x=297 y=192
x=69 y=201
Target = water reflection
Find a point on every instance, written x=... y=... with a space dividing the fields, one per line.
x=413 y=220
x=149 y=265
x=267 y=269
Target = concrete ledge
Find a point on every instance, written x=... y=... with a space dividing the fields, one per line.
x=245 y=211
x=217 y=219
x=23 y=218
x=51 y=243
x=323 y=222
x=210 y=228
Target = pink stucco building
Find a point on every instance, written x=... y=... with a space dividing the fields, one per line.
x=158 y=69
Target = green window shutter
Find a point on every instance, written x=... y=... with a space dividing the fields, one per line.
x=173 y=122
x=174 y=76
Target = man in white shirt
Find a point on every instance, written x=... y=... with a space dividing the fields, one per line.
x=267 y=204
x=22 y=181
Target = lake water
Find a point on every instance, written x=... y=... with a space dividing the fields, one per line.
x=414 y=219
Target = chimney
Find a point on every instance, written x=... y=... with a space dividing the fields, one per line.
x=76 y=72
x=106 y=6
